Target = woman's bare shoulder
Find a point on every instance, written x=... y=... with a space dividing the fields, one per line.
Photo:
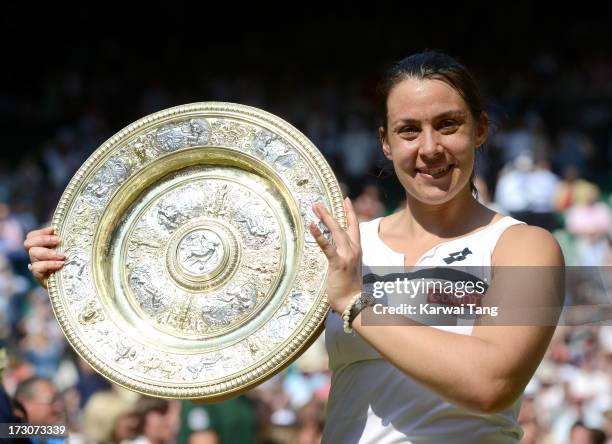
x=527 y=245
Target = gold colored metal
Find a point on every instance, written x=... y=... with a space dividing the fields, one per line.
x=190 y=270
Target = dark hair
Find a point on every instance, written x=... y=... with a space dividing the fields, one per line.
x=146 y=405
x=437 y=66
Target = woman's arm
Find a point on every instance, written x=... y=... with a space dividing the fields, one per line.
x=488 y=370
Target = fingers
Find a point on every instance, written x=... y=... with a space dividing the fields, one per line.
x=326 y=246
x=34 y=233
x=336 y=230
x=45 y=254
x=44 y=260
x=41 y=240
x=352 y=221
x=44 y=267
x=41 y=270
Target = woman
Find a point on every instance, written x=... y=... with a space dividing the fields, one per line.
x=442 y=384
x=446 y=384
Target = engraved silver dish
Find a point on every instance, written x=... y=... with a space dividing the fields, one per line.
x=190 y=270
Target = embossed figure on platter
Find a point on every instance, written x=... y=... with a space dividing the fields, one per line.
x=272 y=148
x=169 y=216
x=112 y=174
x=242 y=297
x=200 y=252
x=191 y=133
x=255 y=218
x=149 y=297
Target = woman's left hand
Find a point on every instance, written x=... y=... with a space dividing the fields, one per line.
x=344 y=255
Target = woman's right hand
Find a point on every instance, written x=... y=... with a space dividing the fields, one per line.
x=43 y=259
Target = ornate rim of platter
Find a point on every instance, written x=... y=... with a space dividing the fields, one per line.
x=190 y=271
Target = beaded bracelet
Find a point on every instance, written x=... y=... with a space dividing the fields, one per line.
x=346 y=315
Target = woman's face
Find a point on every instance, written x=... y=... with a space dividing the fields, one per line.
x=431 y=137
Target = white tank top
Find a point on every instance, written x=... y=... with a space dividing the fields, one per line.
x=371 y=401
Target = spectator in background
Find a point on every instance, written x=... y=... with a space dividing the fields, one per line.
x=590 y=223
x=322 y=129
x=526 y=136
x=527 y=191
x=11 y=410
x=511 y=194
x=16 y=371
x=574 y=150
x=580 y=434
x=43 y=343
x=12 y=291
x=532 y=431
x=89 y=381
x=542 y=186
x=24 y=212
x=358 y=151
x=108 y=417
x=311 y=420
x=608 y=424
x=514 y=140
x=42 y=402
x=11 y=234
x=572 y=189
x=368 y=205
x=154 y=421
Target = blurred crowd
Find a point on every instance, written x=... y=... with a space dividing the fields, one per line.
x=547 y=162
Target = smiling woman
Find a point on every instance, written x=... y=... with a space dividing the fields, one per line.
x=431 y=125
x=404 y=381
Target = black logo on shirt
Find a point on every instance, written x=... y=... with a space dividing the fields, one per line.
x=457 y=256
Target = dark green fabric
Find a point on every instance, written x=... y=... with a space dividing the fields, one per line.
x=234 y=421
